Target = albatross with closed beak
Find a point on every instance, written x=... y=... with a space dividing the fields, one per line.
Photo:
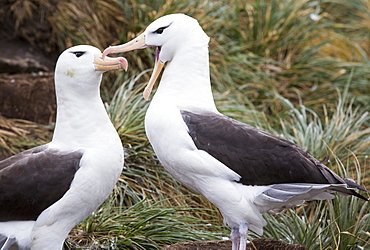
x=45 y=191
x=240 y=169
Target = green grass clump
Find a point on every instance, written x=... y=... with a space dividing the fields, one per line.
x=144 y=225
x=342 y=223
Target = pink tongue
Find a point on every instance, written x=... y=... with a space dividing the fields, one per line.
x=157 y=51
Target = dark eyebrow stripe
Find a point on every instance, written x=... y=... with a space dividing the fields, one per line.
x=75 y=52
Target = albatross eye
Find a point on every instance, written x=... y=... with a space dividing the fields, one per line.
x=160 y=30
x=78 y=53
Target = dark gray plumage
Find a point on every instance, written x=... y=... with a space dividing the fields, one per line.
x=258 y=157
x=27 y=191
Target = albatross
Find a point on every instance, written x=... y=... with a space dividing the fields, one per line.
x=45 y=191
x=242 y=170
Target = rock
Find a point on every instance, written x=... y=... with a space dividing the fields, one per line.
x=17 y=56
x=28 y=96
x=21 y=65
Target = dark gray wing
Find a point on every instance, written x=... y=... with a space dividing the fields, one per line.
x=258 y=157
x=33 y=180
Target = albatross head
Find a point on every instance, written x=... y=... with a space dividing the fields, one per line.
x=87 y=58
x=169 y=34
x=82 y=65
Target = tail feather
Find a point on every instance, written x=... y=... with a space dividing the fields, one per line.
x=281 y=196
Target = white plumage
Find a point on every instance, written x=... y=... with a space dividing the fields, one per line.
x=47 y=190
x=240 y=169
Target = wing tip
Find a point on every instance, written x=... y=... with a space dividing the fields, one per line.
x=353 y=185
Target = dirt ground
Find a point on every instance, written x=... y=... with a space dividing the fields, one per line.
x=26 y=82
x=257 y=244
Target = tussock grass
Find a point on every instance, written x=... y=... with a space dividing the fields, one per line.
x=338 y=132
x=127 y=109
x=17 y=135
x=86 y=22
x=144 y=225
x=342 y=223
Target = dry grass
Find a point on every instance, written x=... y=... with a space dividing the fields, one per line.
x=86 y=22
x=17 y=135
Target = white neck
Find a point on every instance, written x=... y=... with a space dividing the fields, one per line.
x=81 y=120
x=186 y=79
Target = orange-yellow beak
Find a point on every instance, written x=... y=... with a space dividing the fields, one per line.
x=138 y=43
x=109 y=63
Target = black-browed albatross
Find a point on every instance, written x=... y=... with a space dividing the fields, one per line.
x=240 y=169
x=45 y=191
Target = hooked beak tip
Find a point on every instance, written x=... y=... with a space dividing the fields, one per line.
x=124 y=63
x=106 y=52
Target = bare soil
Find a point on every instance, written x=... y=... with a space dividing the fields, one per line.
x=257 y=244
x=26 y=82
x=28 y=96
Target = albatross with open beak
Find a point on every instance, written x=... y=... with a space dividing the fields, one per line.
x=45 y=191
x=240 y=169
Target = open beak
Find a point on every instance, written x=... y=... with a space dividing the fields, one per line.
x=139 y=43
x=157 y=69
x=109 y=63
